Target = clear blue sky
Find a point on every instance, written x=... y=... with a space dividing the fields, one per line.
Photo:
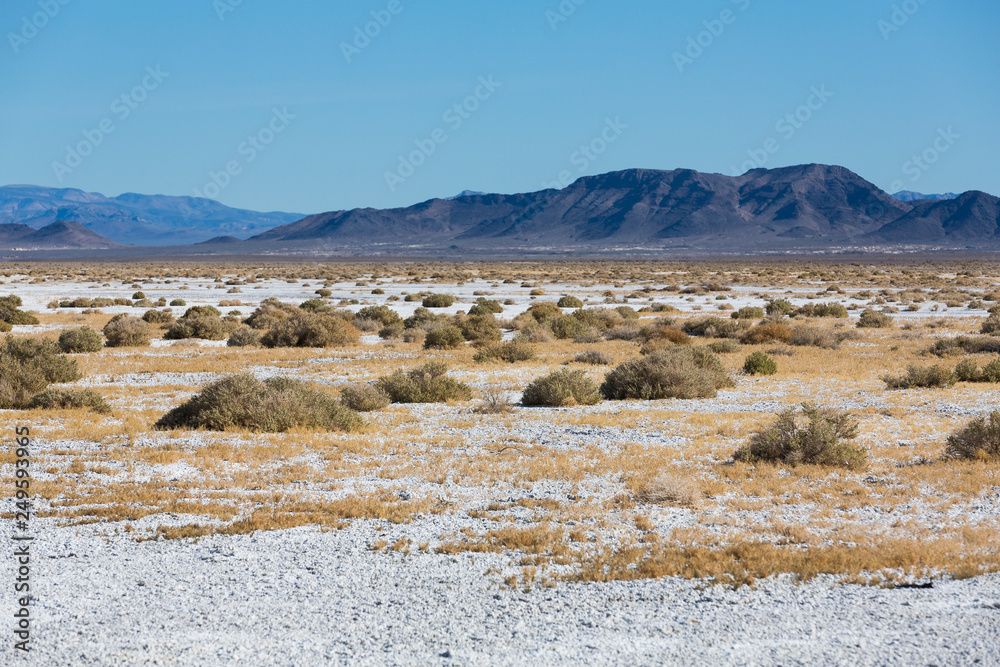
x=225 y=66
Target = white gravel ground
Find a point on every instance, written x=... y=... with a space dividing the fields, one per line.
x=304 y=597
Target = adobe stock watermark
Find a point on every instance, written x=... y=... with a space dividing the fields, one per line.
x=223 y=7
x=31 y=24
x=699 y=43
x=454 y=116
x=363 y=35
x=920 y=164
x=562 y=12
x=121 y=108
x=248 y=150
x=587 y=153
x=900 y=16
x=787 y=127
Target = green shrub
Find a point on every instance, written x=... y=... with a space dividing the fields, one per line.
x=178 y=302
x=269 y=313
x=965 y=345
x=384 y=315
x=438 y=301
x=510 y=351
x=779 y=307
x=303 y=329
x=445 y=337
x=820 y=441
x=79 y=340
x=480 y=328
x=569 y=302
x=627 y=312
x=921 y=377
x=977 y=440
x=870 y=319
x=392 y=331
x=822 y=310
x=665 y=332
x=11 y=313
x=562 y=388
x=967 y=370
x=568 y=326
x=487 y=304
x=748 y=313
x=63 y=399
x=758 y=363
x=204 y=327
x=364 y=397
x=272 y=406
x=990 y=372
x=545 y=311
x=138 y=295
x=677 y=372
x=127 y=331
x=724 y=346
x=428 y=383
x=157 y=317
x=28 y=366
x=422 y=318
x=244 y=336
x=991 y=325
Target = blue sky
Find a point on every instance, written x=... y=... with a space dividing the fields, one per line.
x=290 y=106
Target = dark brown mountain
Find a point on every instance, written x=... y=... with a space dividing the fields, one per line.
x=971 y=217
x=59 y=234
x=806 y=205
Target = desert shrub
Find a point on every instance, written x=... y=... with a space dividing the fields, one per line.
x=759 y=363
x=749 y=313
x=384 y=315
x=627 y=312
x=445 y=337
x=392 y=331
x=822 y=310
x=438 y=301
x=270 y=312
x=822 y=440
x=204 y=327
x=598 y=318
x=965 y=345
x=871 y=319
x=127 y=331
x=990 y=372
x=365 y=325
x=324 y=293
x=594 y=358
x=666 y=332
x=766 y=332
x=991 y=325
x=568 y=326
x=488 y=304
x=428 y=383
x=303 y=329
x=655 y=345
x=157 y=317
x=274 y=405
x=178 y=302
x=510 y=351
x=28 y=366
x=138 y=295
x=11 y=313
x=494 y=402
x=480 y=328
x=677 y=372
x=712 y=327
x=562 y=388
x=414 y=336
x=143 y=303
x=569 y=302
x=669 y=489
x=364 y=397
x=422 y=318
x=779 y=307
x=314 y=305
x=243 y=336
x=967 y=370
x=921 y=377
x=724 y=346
x=815 y=337
x=545 y=311
x=627 y=331
x=977 y=440
x=62 y=399
x=201 y=311
x=79 y=340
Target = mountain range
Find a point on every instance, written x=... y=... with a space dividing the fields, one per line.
x=132 y=218
x=807 y=208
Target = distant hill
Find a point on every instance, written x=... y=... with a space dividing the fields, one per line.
x=909 y=195
x=58 y=235
x=133 y=218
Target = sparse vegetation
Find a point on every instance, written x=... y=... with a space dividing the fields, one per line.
x=977 y=440
x=63 y=399
x=561 y=388
x=921 y=377
x=870 y=319
x=511 y=351
x=127 y=331
x=84 y=339
x=28 y=366
x=759 y=363
x=822 y=440
x=679 y=372
x=428 y=383
x=364 y=397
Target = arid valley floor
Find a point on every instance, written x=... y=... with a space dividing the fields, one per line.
x=482 y=531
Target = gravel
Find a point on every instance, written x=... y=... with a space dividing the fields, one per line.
x=305 y=597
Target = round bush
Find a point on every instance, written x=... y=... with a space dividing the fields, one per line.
x=79 y=340
x=869 y=319
x=63 y=399
x=428 y=383
x=562 y=388
x=127 y=331
x=178 y=302
x=244 y=336
x=676 y=372
x=444 y=338
x=759 y=363
x=821 y=441
x=569 y=302
x=438 y=301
